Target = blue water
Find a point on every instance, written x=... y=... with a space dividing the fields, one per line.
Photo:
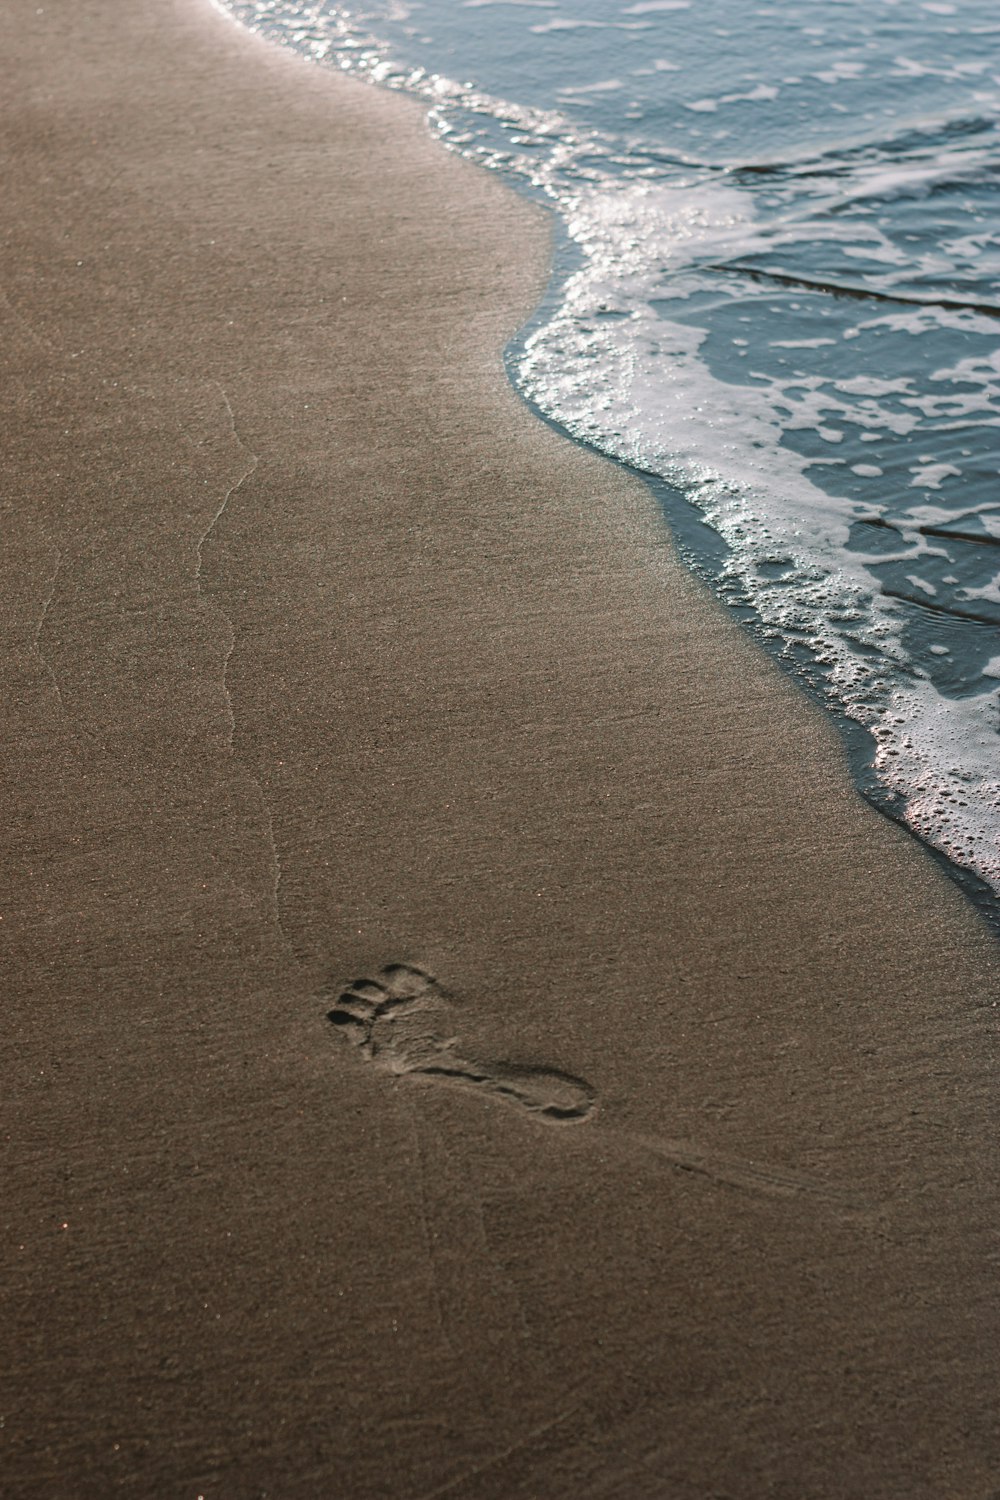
x=777 y=293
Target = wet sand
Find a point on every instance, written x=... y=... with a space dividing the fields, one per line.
x=664 y=1163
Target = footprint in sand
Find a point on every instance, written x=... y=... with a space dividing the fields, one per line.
x=399 y=1021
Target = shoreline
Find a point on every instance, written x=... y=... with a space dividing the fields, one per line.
x=702 y=549
x=857 y=740
x=662 y=1161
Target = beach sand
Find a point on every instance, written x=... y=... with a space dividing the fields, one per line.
x=324 y=655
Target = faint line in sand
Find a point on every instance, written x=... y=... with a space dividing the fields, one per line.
x=203 y=540
x=499 y=1458
x=37 y=642
x=254 y=461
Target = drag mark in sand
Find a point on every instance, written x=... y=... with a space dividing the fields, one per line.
x=759 y=1177
x=252 y=463
x=46 y=606
x=399 y=1022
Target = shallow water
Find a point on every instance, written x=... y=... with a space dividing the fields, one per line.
x=778 y=292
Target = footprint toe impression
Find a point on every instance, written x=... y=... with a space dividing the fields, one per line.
x=393 y=1020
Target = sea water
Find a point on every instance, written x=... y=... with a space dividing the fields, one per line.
x=776 y=294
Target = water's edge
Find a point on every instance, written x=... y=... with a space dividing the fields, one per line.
x=704 y=551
